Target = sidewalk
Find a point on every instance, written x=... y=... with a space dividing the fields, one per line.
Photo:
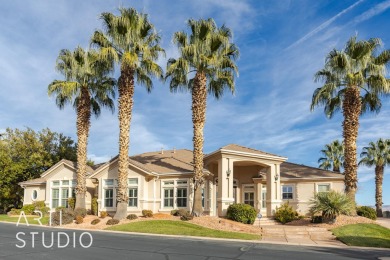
x=300 y=235
x=385 y=222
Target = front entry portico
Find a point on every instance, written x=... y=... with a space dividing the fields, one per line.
x=250 y=177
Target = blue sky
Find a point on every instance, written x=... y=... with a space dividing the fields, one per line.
x=282 y=44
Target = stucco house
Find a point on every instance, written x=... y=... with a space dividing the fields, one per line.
x=161 y=181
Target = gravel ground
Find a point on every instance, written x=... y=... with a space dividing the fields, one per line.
x=340 y=221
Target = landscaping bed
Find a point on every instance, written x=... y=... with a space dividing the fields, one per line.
x=341 y=220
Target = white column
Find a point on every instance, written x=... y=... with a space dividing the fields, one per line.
x=273 y=189
x=225 y=185
x=210 y=195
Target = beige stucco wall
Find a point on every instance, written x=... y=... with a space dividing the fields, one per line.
x=41 y=196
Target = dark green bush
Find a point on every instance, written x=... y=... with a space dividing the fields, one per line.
x=316 y=219
x=43 y=210
x=39 y=204
x=80 y=212
x=28 y=209
x=95 y=221
x=71 y=202
x=186 y=216
x=112 y=222
x=180 y=212
x=67 y=218
x=330 y=205
x=243 y=213
x=285 y=214
x=174 y=212
x=132 y=216
x=147 y=213
x=94 y=206
x=366 y=212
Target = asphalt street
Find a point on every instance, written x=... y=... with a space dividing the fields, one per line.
x=114 y=246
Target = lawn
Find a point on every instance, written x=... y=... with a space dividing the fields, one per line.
x=369 y=235
x=44 y=220
x=169 y=227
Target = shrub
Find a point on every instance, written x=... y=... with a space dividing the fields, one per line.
x=44 y=210
x=331 y=204
x=71 y=202
x=39 y=204
x=186 y=216
x=67 y=218
x=147 y=213
x=80 y=212
x=132 y=216
x=103 y=214
x=316 y=219
x=79 y=219
x=285 y=214
x=60 y=208
x=386 y=214
x=28 y=209
x=243 y=213
x=67 y=211
x=94 y=206
x=14 y=211
x=174 y=212
x=95 y=221
x=366 y=212
x=112 y=222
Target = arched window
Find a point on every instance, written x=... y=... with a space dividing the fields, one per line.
x=34 y=195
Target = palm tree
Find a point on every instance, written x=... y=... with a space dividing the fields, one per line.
x=88 y=88
x=132 y=41
x=206 y=64
x=346 y=73
x=333 y=156
x=378 y=155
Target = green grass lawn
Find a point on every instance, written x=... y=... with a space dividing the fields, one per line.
x=3 y=217
x=169 y=227
x=369 y=235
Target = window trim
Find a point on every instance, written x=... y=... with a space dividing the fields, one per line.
x=32 y=195
x=173 y=184
x=60 y=186
x=323 y=183
x=292 y=191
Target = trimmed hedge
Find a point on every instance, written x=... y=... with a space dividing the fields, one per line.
x=366 y=212
x=147 y=213
x=132 y=216
x=243 y=213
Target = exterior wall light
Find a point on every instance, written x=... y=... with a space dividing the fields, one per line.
x=276 y=177
x=228 y=172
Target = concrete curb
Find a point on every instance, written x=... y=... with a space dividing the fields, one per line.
x=204 y=238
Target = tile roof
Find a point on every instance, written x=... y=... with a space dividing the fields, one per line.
x=292 y=170
x=240 y=148
x=170 y=161
x=33 y=181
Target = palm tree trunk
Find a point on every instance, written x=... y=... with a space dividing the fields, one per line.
x=199 y=100
x=125 y=107
x=351 y=111
x=83 y=124
x=378 y=190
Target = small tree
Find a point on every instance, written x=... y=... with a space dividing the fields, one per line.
x=331 y=204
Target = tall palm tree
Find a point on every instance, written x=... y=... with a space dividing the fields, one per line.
x=333 y=156
x=132 y=41
x=87 y=87
x=206 y=64
x=348 y=72
x=378 y=155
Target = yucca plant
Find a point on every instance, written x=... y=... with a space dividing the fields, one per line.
x=331 y=204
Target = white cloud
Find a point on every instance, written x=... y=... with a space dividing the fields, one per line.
x=376 y=10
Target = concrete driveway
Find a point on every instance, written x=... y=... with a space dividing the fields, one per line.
x=300 y=235
x=384 y=222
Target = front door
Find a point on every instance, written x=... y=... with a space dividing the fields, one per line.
x=264 y=200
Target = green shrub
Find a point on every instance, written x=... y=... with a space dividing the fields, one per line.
x=174 y=212
x=79 y=219
x=147 y=213
x=186 y=216
x=331 y=204
x=28 y=209
x=80 y=212
x=285 y=214
x=65 y=211
x=60 y=208
x=132 y=216
x=67 y=218
x=366 y=212
x=179 y=212
x=14 y=211
x=316 y=219
x=94 y=206
x=95 y=221
x=103 y=214
x=71 y=202
x=39 y=204
x=44 y=210
x=243 y=213
x=112 y=222
x=386 y=214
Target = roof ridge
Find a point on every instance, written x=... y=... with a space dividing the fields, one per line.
x=316 y=168
x=249 y=148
